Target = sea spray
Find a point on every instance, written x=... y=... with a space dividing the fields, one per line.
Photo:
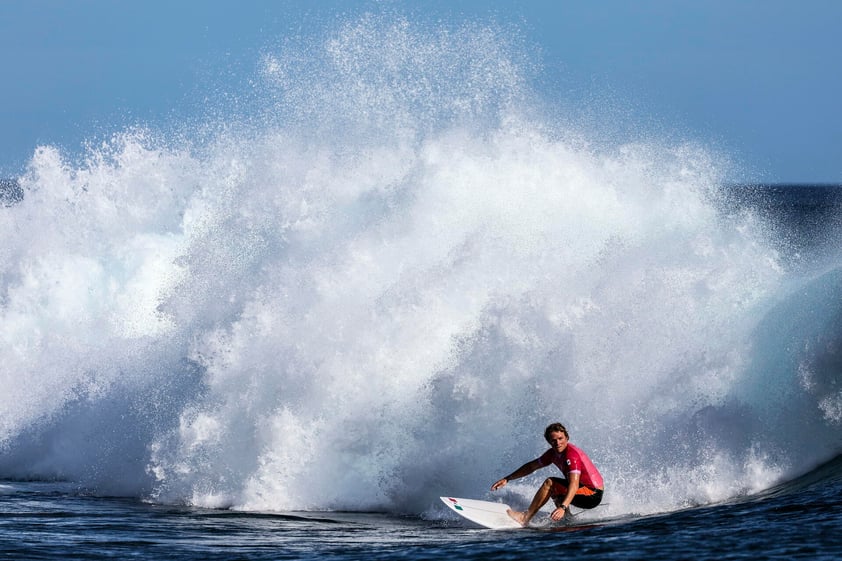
x=379 y=287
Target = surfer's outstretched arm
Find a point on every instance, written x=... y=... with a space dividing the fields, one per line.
x=522 y=471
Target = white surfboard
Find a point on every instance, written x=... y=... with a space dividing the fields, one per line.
x=485 y=513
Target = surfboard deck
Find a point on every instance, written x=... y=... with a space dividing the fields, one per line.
x=485 y=513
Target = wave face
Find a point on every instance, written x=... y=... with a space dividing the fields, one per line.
x=380 y=281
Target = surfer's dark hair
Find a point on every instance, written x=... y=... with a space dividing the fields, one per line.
x=555 y=427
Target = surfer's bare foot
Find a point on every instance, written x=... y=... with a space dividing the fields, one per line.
x=519 y=517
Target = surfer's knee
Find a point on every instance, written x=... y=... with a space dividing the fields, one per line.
x=555 y=487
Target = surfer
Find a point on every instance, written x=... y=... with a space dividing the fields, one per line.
x=581 y=486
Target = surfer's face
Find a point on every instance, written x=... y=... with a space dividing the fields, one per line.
x=558 y=441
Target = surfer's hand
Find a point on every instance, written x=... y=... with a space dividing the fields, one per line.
x=558 y=514
x=501 y=483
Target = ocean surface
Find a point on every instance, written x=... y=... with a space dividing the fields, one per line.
x=797 y=520
x=371 y=277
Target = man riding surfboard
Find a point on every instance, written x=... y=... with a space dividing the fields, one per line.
x=582 y=485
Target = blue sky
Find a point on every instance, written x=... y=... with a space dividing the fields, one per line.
x=757 y=79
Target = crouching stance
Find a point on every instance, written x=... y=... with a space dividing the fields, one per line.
x=581 y=486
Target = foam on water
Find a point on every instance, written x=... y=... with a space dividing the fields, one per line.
x=380 y=285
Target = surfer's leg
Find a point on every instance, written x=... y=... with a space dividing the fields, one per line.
x=540 y=499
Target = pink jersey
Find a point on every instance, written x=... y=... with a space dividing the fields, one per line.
x=573 y=460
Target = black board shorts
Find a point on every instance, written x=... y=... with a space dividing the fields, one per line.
x=585 y=497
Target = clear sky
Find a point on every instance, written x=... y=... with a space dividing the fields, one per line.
x=759 y=79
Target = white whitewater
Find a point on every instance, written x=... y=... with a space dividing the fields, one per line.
x=379 y=283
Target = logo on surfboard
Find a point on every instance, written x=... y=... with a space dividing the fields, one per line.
x=456 y=504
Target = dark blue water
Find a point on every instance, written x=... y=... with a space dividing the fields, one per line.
x=806 y=219
x=800 y=519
